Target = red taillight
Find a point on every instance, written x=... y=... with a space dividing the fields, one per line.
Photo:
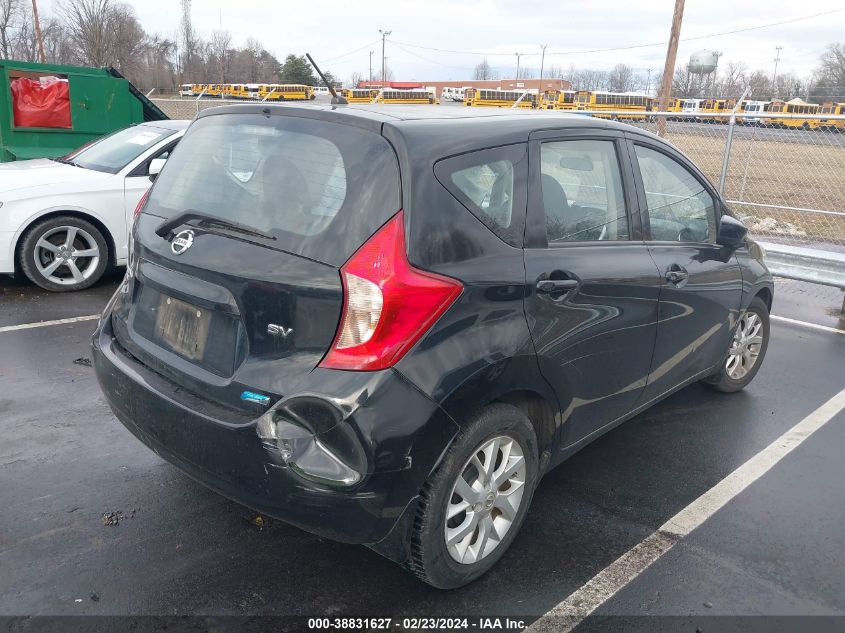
x=141 y=203
x=387 y=303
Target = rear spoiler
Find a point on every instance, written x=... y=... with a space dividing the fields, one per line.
x=151 y=111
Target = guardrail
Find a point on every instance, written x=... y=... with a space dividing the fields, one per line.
x=806 y=264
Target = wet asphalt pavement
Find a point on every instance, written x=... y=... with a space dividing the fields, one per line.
x=176 y=548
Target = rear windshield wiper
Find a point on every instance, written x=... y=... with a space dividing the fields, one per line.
x=165 y=229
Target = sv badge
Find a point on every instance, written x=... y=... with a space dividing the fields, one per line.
x=279 y=330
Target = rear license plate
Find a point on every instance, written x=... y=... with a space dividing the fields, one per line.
x=182 y=327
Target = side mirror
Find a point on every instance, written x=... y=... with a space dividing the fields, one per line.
x=732 y=232
x=156 y=165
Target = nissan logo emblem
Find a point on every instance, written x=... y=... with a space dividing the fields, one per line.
x=182 y=242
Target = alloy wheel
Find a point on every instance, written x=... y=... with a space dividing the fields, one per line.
x=485 y=499
x=746 y=345
x=66 y=255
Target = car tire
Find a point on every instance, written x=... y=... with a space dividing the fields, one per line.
x=752 y=323
x=61 y=237
x=432 y=559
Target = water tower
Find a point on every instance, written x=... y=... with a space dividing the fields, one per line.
x=705 y=63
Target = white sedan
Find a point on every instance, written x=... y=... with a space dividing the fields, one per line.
x=64 y=220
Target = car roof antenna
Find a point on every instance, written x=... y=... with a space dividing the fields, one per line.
x=336 y=99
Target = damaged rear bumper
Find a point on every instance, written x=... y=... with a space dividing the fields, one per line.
x=389 y=431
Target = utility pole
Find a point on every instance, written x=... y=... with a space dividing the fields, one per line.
x=371 y=66
x=542 y=61
x=648 y=81
x=774 y=76
x=384 y=35
x=517 y=67
x=38 y=35
x=669 y=66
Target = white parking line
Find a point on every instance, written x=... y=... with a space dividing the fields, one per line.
x=601 y=587
x=814 y=326
x=29 y=326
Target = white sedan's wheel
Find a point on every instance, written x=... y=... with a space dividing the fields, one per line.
x=64 y=253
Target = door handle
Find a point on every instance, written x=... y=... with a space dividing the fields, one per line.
x=550 y=286
x=677 y=274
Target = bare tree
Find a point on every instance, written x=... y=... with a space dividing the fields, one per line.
x=11 y=16
x=88 y=25
x=57 y=47
x=188 y=41
x=621 y=78
x=128 y=40
x=157 y=65
x=388 y=74
x=829 y=78
x=734 y=81
x=760 y=83
x=357 y=78
x=483 y=70
x=682 y=82
x=590 y=80
x=219 y=48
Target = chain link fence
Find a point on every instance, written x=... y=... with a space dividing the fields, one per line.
x=189 y=108
x=783 y=174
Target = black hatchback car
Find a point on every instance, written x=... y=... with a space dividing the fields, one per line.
x=385 y=325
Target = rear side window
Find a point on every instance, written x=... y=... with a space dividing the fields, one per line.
x=491 y=184
x=320 y=188
x=582 y=191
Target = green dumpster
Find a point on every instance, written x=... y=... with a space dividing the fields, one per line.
x=48 y=110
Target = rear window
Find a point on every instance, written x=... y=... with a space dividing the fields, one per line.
x=320 y=188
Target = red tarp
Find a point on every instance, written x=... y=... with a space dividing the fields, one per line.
x=44 y=103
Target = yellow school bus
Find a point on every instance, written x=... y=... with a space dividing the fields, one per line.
x=215 y=90
x=500 y=98
x=623 y=105
x=832 y=124
x=415 y=96
x=793 y=107
x=360 y=95
x=236 y=91
x=559 y=100
x=716 y=106
x=285 y=92
x=672 y=105
x=197 y=89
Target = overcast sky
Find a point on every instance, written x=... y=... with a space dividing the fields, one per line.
x=332 y=31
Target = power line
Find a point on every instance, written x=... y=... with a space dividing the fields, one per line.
x=430 y=61
x=352 y=52
x=632 y=46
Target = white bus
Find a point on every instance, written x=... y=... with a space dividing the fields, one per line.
x=749 y=108
x=186 y=90
x=451 y=93
x=690 y=106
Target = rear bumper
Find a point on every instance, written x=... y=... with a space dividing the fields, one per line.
x=231 y=459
